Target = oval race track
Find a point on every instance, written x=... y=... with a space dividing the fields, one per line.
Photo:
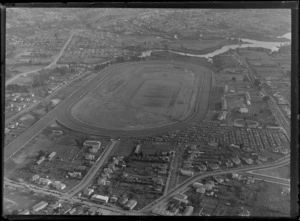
x=67 y=119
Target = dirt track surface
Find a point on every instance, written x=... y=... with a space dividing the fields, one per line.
x=139 y=99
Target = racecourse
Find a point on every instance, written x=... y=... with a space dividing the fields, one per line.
x=60 y=113
x=68 y=116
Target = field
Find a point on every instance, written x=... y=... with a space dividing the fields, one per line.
x=17 y=199
x=265 y=65
x=140 y=97
x=282 y=172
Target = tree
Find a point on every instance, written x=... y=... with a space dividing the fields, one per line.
x=256 y=82
x=266 y=98
x=41 y=153
x=233 y=79
x=15 y=212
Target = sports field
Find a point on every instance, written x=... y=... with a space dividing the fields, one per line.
x=140 y=96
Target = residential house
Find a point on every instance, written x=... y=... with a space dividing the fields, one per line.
x=186 y=172
x=130 y=204
x=88 y=191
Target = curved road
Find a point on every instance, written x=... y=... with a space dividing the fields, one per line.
x=183 y=186
x=66 y=119
x=92 y=172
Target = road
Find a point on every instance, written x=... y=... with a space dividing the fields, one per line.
x=14 y=146
x=85 y=182
x=285 y=182
x=9 y=81
x=161 y=201
x=7 y=121
x=67 y=118
x=183 y=186
x=62 y=197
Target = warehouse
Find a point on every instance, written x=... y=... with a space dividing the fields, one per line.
x=41 y=205
x=103 y=199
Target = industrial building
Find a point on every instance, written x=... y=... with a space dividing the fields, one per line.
x=100 y=198
x=41 y=205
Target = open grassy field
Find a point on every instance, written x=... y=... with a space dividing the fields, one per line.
x=142 y=95
x=282 y=172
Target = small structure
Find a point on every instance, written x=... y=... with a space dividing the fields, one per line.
x=137 y=149
x=89 y=157
x=35 y=177
x=58 y=185
x=113 y=199
x=75 y=174
x=92 y=144
x=201 y=190
x=243 y=110
x=24 y=212
x=181 y=198
x=45 y=181
x=41 y=160
x=41 y=205
x=224 y=104
x=88 y=191
x=197 y=185
x=102 y=181
x=226 y=89
x=222 y=115
x=122 y=201
x=186 y=172
x=51 y=156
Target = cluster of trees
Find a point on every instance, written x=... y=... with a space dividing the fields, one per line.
x=17 y=88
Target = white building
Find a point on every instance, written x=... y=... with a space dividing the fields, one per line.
x=186 y=172
x=243 y=110
x=103 y=199
x=41 y=205
x=197 y=185
x=50 y=157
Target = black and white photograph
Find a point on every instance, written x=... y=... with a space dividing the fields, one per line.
x=148 y=111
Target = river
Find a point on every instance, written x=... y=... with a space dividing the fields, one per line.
x=273 y=46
